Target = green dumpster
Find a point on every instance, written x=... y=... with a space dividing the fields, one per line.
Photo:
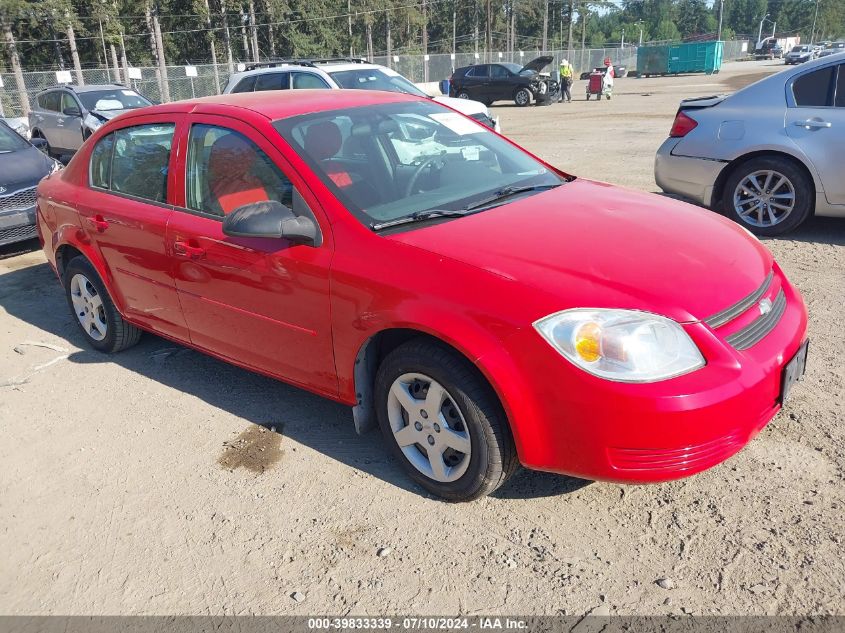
x=690 y=57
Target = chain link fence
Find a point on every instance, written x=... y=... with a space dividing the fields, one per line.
x=210 y=79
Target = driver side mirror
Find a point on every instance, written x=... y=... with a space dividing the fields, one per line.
x=39 y=143
x=270 y=218
x=72 y=111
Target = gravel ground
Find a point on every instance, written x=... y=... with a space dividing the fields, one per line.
x=151 y=482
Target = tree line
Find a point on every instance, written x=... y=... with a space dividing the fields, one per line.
x=73 y=34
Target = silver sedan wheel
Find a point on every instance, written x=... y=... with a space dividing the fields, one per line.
x=88 y=306
x=764 y=198
x=429 y=427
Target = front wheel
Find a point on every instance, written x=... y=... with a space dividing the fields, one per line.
x=522 y=97
x=768 y=195
x=443 y=421
x=89 y=301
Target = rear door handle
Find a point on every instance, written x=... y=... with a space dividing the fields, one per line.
x=98 y=223
x=812 y=123
x=187 y=249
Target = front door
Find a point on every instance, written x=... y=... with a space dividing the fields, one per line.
x=125 y=212
x=261 y=302
x=815 y=121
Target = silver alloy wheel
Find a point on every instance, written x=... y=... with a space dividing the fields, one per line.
x=522 y=97
x=429 y=427
x=764 y=198
x=88 y=306
x=463 y=95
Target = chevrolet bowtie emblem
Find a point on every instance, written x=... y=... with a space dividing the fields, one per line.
x=765 y=306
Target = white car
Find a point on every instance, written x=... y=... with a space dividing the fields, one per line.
x=339 y=73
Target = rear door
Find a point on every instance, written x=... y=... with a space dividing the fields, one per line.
x=124 y=211
x=815 y=121
x=46 y=119
x=475 y=81
x=261 y=302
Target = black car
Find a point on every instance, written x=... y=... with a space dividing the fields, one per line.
x=22 y=165
x=505 y=82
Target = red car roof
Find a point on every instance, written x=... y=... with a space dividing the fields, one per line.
x=278 y=104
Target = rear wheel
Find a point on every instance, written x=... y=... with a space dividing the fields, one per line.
x=522 y=97
x=443 y=421
x=90 y=303
x=463 y=94
x=768 y=195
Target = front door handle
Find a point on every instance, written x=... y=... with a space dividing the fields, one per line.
x=813 y=123
x=188 y=249
x=98 y=222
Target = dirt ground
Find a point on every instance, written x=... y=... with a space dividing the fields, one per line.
x=151 y=482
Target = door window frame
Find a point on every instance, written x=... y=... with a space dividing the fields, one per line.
x=180 y=170
x=177 y=120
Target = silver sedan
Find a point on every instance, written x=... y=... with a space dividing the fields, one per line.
x=769 y=155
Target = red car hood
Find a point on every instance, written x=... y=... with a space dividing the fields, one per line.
x=590 y=244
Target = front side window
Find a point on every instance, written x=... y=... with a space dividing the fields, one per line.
x=68 y=102
x=308 y=81
x=375 y=79
x=813 y=90
x=389 y=161
x=499 y=72
x=272 y=81
x=840 y=88
x=140 y=160
x=226 y=170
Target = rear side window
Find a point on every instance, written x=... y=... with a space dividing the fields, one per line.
x=139 y=161
x=813 y=90
x=100 y=174
x=840 y=88
x=477 y=71
x=272 y=81
x=245 y=85
x=50 y=101
x=308 y=80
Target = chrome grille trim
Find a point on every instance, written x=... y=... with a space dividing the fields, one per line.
x=759 y=327
x=729 y=314
x=19 y=200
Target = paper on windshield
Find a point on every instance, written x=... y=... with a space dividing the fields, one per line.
x=108 y=104
x=458 y=123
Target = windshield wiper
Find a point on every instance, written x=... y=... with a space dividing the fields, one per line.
x=507 y=192
x=419 y=216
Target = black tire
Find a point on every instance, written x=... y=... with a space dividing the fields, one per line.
x=493 y=457
x=803 y=187
x=120 y=335
x=463 y=94
x=588 y=96
x=522 y=97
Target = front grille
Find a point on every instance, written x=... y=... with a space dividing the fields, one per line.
x=729 y=314
x=759 y=327
x=17 y=234
x=19 y=200
x=675 y=459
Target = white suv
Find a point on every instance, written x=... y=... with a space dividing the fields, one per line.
x=338 y=73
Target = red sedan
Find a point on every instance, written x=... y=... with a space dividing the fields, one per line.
x=482 y=307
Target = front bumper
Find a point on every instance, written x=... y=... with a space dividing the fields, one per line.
x=692 y=178
x=17 y=226
x=568 y=421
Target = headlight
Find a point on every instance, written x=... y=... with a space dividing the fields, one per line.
x=92 y=122
x=621 y=345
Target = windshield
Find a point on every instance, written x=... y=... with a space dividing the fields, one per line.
x=118 y=99
x=10 y=141
x=390 y=161
x=375 y=79
x=800 y=49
